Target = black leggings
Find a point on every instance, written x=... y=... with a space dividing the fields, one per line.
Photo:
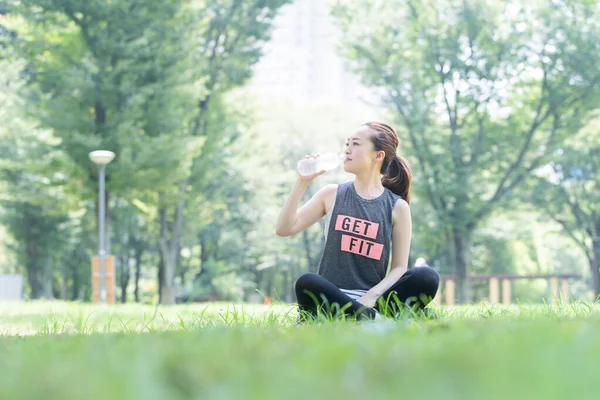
x=415 y=288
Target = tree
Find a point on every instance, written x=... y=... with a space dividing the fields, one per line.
x=106 y=75
x=34 y=202
x=229 y=34
x=483 y=91
x=567 y=190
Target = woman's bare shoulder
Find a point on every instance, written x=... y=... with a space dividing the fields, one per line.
x=328 y=193
x=330 y=188
x=401 y=211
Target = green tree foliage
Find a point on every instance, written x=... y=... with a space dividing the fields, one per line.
x=567 y=190
x=229 y=35
x=35 y=200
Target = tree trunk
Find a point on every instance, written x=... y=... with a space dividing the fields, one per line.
x=64 y=277
x=269 y=279
x=32 y=261
x=76 y=284
x=595 y=268
x=169 y=245
x=286 y=284
x=169 y=265
x=124 y=278
x=34 y=283
x=138 y=271
x=161 y=272
x=63 y=289
x=461 y=261
x=184 y=268
x=167 y=294
x=47 y=279
x=179 y=262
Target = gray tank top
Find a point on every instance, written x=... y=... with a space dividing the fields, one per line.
x=358 y=239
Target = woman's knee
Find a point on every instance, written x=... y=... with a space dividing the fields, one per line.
x=428 y=278
x=305 y=281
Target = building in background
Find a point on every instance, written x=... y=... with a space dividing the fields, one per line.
x=11 y=287
x=301 y=62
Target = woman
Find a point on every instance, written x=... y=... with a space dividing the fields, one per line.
x=365 y=219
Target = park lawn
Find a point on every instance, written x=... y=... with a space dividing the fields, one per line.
x=76 y=351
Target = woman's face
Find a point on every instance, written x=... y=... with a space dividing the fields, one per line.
x=360 y=153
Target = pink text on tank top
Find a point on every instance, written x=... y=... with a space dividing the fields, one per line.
x=357 y=226
x=356 y=245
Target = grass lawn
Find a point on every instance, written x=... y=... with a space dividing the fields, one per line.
x=77 y=351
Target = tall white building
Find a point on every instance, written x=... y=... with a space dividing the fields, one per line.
x=301 y=62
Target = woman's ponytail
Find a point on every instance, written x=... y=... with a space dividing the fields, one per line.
x=397 y=177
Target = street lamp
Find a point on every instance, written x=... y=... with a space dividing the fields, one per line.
x=101 y=158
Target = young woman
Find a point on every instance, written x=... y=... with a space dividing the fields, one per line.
x=365 y=219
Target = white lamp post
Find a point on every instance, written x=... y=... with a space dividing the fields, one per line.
x=101 y=158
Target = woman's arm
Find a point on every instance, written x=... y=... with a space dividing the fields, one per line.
x=401 y=237
x=292 y=220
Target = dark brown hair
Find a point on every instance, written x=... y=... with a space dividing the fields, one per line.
x=395 y=169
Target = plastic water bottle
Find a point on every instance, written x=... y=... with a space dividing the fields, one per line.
x=326 y=162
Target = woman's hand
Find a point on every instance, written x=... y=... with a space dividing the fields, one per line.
x=367 y=300
x=309 y=178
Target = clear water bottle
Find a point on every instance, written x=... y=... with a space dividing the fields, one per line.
x=326 y=162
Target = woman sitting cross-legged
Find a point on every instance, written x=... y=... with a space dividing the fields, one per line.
x=366 y=219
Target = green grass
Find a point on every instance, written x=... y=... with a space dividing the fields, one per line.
x=72 y=318
x=220 y=351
